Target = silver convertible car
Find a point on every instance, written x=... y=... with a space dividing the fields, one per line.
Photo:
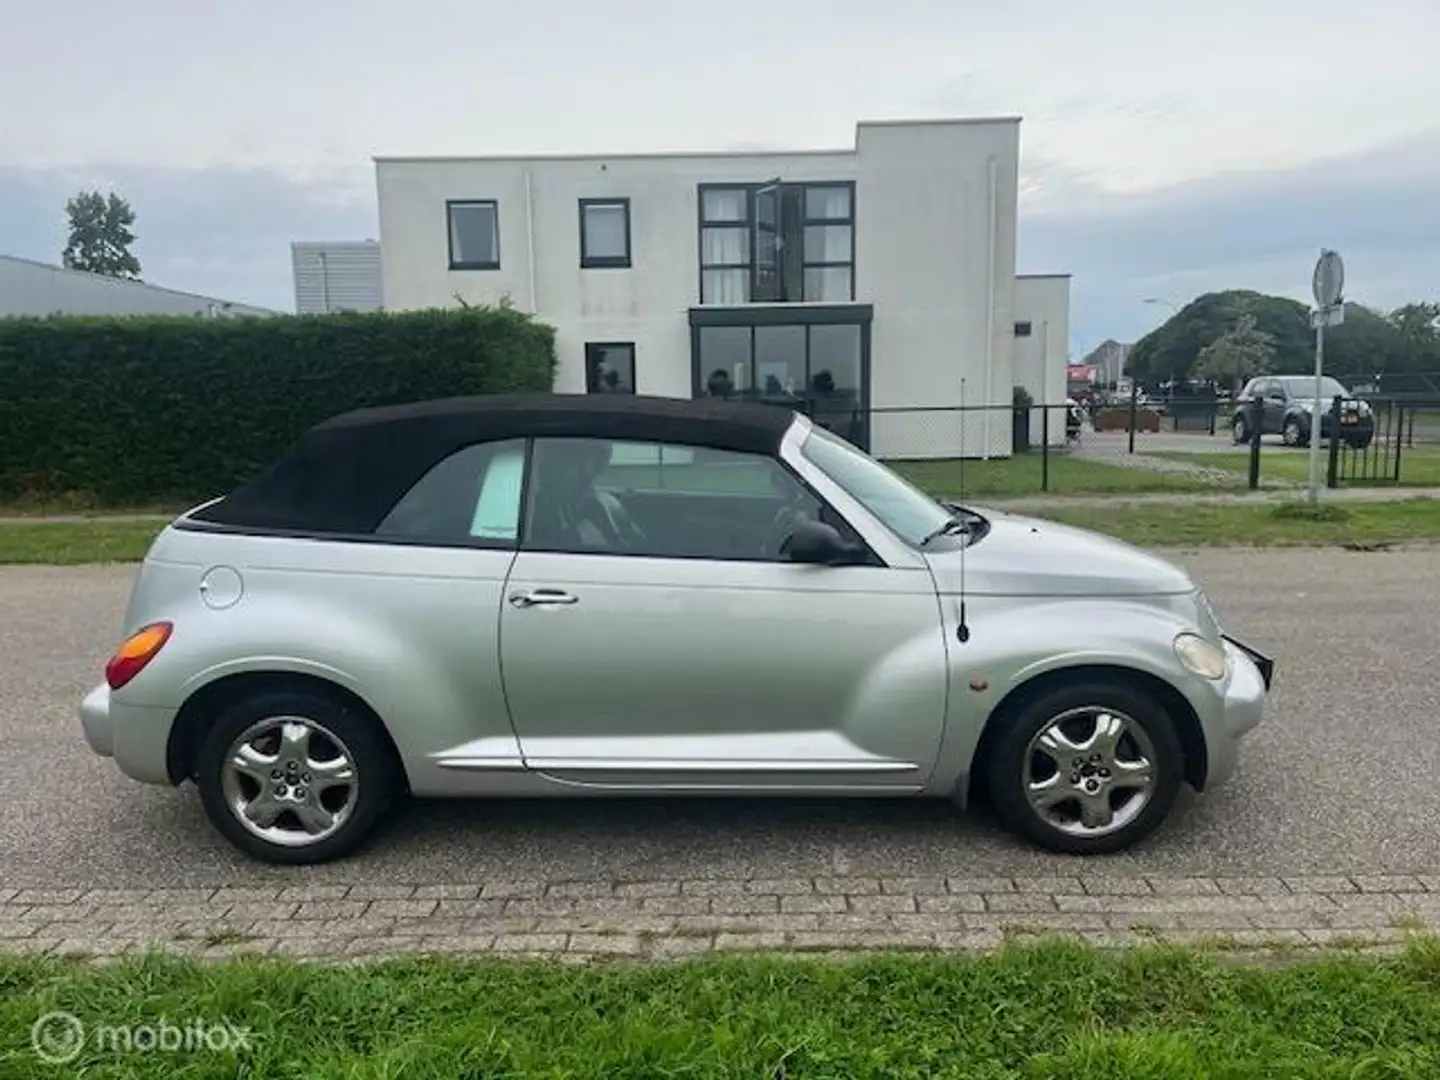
x=575 y=595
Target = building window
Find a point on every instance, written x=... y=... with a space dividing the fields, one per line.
x=610 y=367
x=829 y=243
x=474 y=234
x=1022 y=329
x=604 y=233
x=777 y=242
x=815 y=360
x=724 y=245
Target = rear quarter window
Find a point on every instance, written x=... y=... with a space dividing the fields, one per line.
x=472 y=496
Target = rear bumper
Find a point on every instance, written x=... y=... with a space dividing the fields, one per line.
x=136 y=736
x=1246 y=695
x=95 y=721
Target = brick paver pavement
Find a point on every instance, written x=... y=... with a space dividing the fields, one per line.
x=656 y=919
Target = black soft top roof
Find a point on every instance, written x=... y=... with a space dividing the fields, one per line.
x=345 y=474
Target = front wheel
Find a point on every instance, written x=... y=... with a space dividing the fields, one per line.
x=1086 y=769
x=1292 y=435
x=294 y=776
x=1240 y=430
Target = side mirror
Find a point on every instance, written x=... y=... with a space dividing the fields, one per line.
x=820 y=544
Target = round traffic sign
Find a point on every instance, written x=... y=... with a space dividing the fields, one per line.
x=1328 y=283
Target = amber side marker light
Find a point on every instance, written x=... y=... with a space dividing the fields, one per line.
x=138 y=650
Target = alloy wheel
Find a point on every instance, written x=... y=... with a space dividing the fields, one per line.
x=1090 y=771
x=290 y=781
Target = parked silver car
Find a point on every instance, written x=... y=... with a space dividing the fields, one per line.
x=569 y=595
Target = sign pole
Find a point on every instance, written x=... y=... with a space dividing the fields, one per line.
x=1316 y=414
x=1328 y=285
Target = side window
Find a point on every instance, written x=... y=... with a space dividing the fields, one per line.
x=473 y=496
x=663 y=500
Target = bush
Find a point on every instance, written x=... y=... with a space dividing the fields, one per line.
x=134 y=411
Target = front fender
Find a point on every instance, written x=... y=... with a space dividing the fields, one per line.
x=1014 y=641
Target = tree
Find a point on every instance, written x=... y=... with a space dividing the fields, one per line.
x=1364 y=346
x=1172 y=349
x=100 y=236
x=1237 y=355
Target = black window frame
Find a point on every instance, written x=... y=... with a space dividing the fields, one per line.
x=848 y=530
x=749 y=317
x=450 y=205
x=788 y=190
x=807 y=222
x=745 y=225
x=606 y=262
x=1024 y=328
x=593 y=346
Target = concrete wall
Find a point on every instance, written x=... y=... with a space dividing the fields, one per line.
x=1043 y=300
x=33 y=288
x=935 y=220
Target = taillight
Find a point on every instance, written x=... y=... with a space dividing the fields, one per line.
x=137 y=651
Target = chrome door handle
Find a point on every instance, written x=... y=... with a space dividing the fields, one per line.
x=538 y=597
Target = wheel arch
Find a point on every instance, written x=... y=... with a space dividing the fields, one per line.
x=207 y=701
x=1177 y=707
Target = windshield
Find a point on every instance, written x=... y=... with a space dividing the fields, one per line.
x=904 y=508
x=1303 y=386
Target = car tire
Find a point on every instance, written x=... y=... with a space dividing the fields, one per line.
x=1291 y=435
x=1014 y=766
x=1240 y=430
x=337 y=737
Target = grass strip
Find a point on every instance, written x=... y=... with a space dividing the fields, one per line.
x=1039 y=1011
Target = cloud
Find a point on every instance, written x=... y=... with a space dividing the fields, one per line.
x=1258 y=229
x=223 y=232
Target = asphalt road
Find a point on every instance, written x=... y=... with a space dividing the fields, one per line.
x=1341 y=779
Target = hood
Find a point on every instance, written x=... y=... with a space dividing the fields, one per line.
x=1022 y=556
x=1346 y=400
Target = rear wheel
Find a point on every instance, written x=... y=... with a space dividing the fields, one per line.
x=295 y=776
x=1240 y=430
x=1086 y=769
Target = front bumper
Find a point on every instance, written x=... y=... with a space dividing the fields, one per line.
x=1246 y=694
x=1355 y=428
x=136 y=736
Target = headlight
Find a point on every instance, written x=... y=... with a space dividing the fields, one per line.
x=1200 y=657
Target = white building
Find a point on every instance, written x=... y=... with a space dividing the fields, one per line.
x=867 y=283
x=341 y=275
x=1042 y=338
x=1107 y=361
x=35 y=288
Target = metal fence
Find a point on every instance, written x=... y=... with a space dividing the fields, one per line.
x=1136 y=444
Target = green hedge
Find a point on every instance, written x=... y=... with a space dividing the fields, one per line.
x=137 y=411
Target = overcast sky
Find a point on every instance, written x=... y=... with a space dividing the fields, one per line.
x=1168 y=146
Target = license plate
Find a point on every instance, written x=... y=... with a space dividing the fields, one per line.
x=1349 y=418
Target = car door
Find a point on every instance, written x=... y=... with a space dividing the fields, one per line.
x=691 y=655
